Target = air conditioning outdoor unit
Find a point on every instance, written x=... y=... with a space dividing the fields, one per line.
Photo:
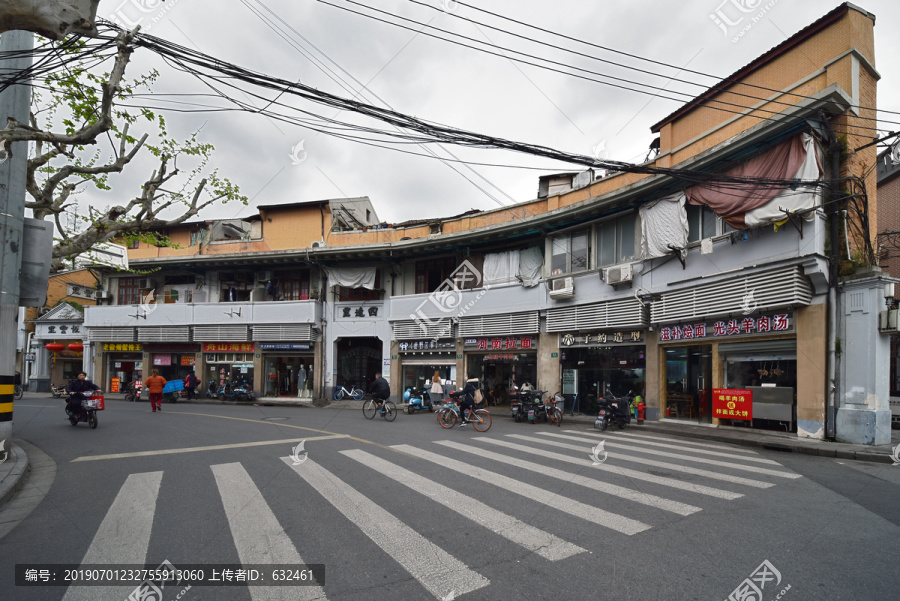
x=101 y=294
x=562 y=288
x=263 y=276
x=622 y=274
x=318 y=244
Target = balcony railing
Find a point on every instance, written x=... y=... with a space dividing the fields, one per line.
x=233 y=313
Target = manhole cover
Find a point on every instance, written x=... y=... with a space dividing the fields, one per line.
x=273 y=419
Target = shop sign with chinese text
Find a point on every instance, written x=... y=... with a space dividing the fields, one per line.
x=282 y=346
x=228 y=347
x=780 y=323
x=732 y=403
x=510 y=343
x=427 y=345
x=122 y=347
x=602 y=338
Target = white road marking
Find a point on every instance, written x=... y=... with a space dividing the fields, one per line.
x=608 y=519
x=438 y=571
x=685 y=441
x=669 y=466
x=598 y=485
x=258 y=537
x=123 y=536
x=621 y=471
x=734 y=466
x=543 y=543
x=680 y=447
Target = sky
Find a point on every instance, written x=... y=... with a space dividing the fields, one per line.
x=275 y=162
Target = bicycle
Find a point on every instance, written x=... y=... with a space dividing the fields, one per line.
x=554 y=413
x=387 y=409
x=479 y=418
x=18 y=391
x=354 y=393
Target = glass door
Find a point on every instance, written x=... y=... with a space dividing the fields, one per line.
x=689 y=383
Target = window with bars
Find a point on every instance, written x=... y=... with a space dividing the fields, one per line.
x=570 y=253
x=616 y=240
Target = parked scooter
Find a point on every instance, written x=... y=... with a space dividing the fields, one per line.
x=132 y=392
x=415 y=400
x=87 y=412
x=58 y=391
x=613 y=409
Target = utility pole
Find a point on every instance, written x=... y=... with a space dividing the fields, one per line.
x=15 y=102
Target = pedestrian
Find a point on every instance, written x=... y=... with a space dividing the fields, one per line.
x=155 y=384
x=437 y=388
x=190 y=384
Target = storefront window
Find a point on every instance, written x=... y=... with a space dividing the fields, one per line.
x=620 y=369
x=235 y=367
x=502 y=372
x=288 y=375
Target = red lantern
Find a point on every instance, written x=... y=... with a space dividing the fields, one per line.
x=76 y=346
x=55 y=347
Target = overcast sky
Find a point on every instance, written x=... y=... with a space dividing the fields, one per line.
x=453 y=85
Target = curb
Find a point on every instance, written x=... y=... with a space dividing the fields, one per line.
x=15 y=478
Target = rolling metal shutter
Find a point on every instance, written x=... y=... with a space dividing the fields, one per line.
x=627 y=313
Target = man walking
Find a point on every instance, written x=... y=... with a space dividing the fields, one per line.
x=155 y=384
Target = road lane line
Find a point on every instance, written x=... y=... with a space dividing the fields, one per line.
x=123 y=536
x=439 y=572
x=669 y=466
x=596 y=515
x=543 y=543
x=621 y=471
x=733 y=466
x=598 y=485
x=257 y=534
x=218 y=447
x=679 y=447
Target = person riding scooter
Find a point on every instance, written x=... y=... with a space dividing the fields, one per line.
x=76 y=389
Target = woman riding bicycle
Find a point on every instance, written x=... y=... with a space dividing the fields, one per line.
x=468 y=400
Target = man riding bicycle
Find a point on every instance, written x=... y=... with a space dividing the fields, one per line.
x=380 y=389
x=468 y=400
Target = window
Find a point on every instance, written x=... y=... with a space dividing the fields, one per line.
x=134 y=243
x=292 y=285
x=569 y=253
x=702 y=223
x=195 y=237
x=431 y=274
x=129 y=291
x=362 y=294
x=616 y=240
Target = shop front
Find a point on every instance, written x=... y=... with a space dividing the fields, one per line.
x=737 y=372
x=599 y=363
x=502 y=363
x=288 y=367
x=420 y=359
x=173 y=361
x=124 y=364
x=232 y=361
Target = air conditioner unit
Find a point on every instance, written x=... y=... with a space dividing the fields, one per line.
x=562 y=288
x=101 y=294
x=263 y=276
x=622 y=274
x=318 y=244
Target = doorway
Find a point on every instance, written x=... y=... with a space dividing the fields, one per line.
x=688 y=377
x=358 y=360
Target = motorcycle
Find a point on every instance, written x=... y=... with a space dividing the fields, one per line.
x=87 y=412
x=132 y=392
x=57 y=391
x=528 y=405
x=240 y=393
x=613 y=409
x=415 y=400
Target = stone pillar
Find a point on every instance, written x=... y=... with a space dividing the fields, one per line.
x=395 y=369
x=812 y=370
x=40 y=375
x=864 y=415
x=549 y=377
x=654 y=388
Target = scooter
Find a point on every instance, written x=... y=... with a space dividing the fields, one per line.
x=57 y=391
x=416 y=400
x=87 y=412
x=613 y=409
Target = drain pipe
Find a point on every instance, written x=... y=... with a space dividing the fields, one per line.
x=831 y=393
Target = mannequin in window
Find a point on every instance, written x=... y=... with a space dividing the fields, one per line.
x=301 y=381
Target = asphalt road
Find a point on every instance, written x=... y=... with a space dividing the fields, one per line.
x=408 y=510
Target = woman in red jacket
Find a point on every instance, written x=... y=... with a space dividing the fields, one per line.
x=155 y=384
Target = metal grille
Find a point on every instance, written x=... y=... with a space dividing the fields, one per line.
x=172 y=334
x=507 y=324
x=110 y=334
x=221 y=333
x=287 y=332
x=627 y=313
x=415 y=330
x=746 y=294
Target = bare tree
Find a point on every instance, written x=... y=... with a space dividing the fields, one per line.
x=82 y=107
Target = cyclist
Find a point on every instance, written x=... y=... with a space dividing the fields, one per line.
x=380 y=389
x=468 y=400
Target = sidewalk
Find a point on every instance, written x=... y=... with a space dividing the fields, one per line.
x=12 y=470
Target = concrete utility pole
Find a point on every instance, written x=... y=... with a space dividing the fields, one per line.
x=15 y=102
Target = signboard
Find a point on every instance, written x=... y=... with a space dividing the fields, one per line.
x=114 y=385
x=523 y=343
x=745 y=326
x=293 y=346
x=29 y=356
x=570 y=381
x=606 y=338
x=227 y=347
x=122 y=346
x=188 y=359
x=162 y=360
x=427 y=345
x=104 y=253
x=732 y=403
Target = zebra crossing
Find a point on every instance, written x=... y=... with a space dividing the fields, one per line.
x=517 y=468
